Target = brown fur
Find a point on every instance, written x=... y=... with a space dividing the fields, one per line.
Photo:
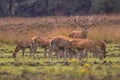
x=85 y=45
x=43 y=42
x=102 y=46
x=22 y=45
x=79 y=34
x=61 y=43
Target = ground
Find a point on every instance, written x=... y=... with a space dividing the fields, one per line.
x=41 y=69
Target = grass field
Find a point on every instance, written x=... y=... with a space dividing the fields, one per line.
x=106 y=27
x=41 y=69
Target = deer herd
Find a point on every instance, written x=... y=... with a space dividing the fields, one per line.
x=75 y=45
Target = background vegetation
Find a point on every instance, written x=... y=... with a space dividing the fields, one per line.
x=12 y=30
x=27 y=8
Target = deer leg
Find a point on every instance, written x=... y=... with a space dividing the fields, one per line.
x=94 y=52
x=68 y=54
x=45 y=51
x=65 y=56
x=58 y=55
x=104 y=53
x=31 y=51
x=23 y=52
x=34 y=51
x=100 y=56
x=50 y=53
x=84 y=53
x=80 y=54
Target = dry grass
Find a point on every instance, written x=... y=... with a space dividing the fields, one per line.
x=107 y=27
x=109 y=34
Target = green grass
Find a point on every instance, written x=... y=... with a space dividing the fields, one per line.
x=41 y=69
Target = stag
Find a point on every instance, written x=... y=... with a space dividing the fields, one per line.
x=85 y=23
x=82 y=34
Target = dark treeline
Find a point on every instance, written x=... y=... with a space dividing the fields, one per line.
x=27 y=8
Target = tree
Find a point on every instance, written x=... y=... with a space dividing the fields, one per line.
x=12 y=8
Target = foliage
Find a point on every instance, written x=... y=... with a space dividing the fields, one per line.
x=26 y=8
x=105 y=6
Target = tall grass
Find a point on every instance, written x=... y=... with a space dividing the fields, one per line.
x=109 y=34
x=13 y=30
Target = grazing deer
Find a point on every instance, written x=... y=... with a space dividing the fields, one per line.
x=85 y=45
x=101 y=46
x=22 y=45
x=61 y=43
x=43 y=42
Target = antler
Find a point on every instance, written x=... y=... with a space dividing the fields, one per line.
x=86 y=21
x=91 y=20
x=79 y=22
